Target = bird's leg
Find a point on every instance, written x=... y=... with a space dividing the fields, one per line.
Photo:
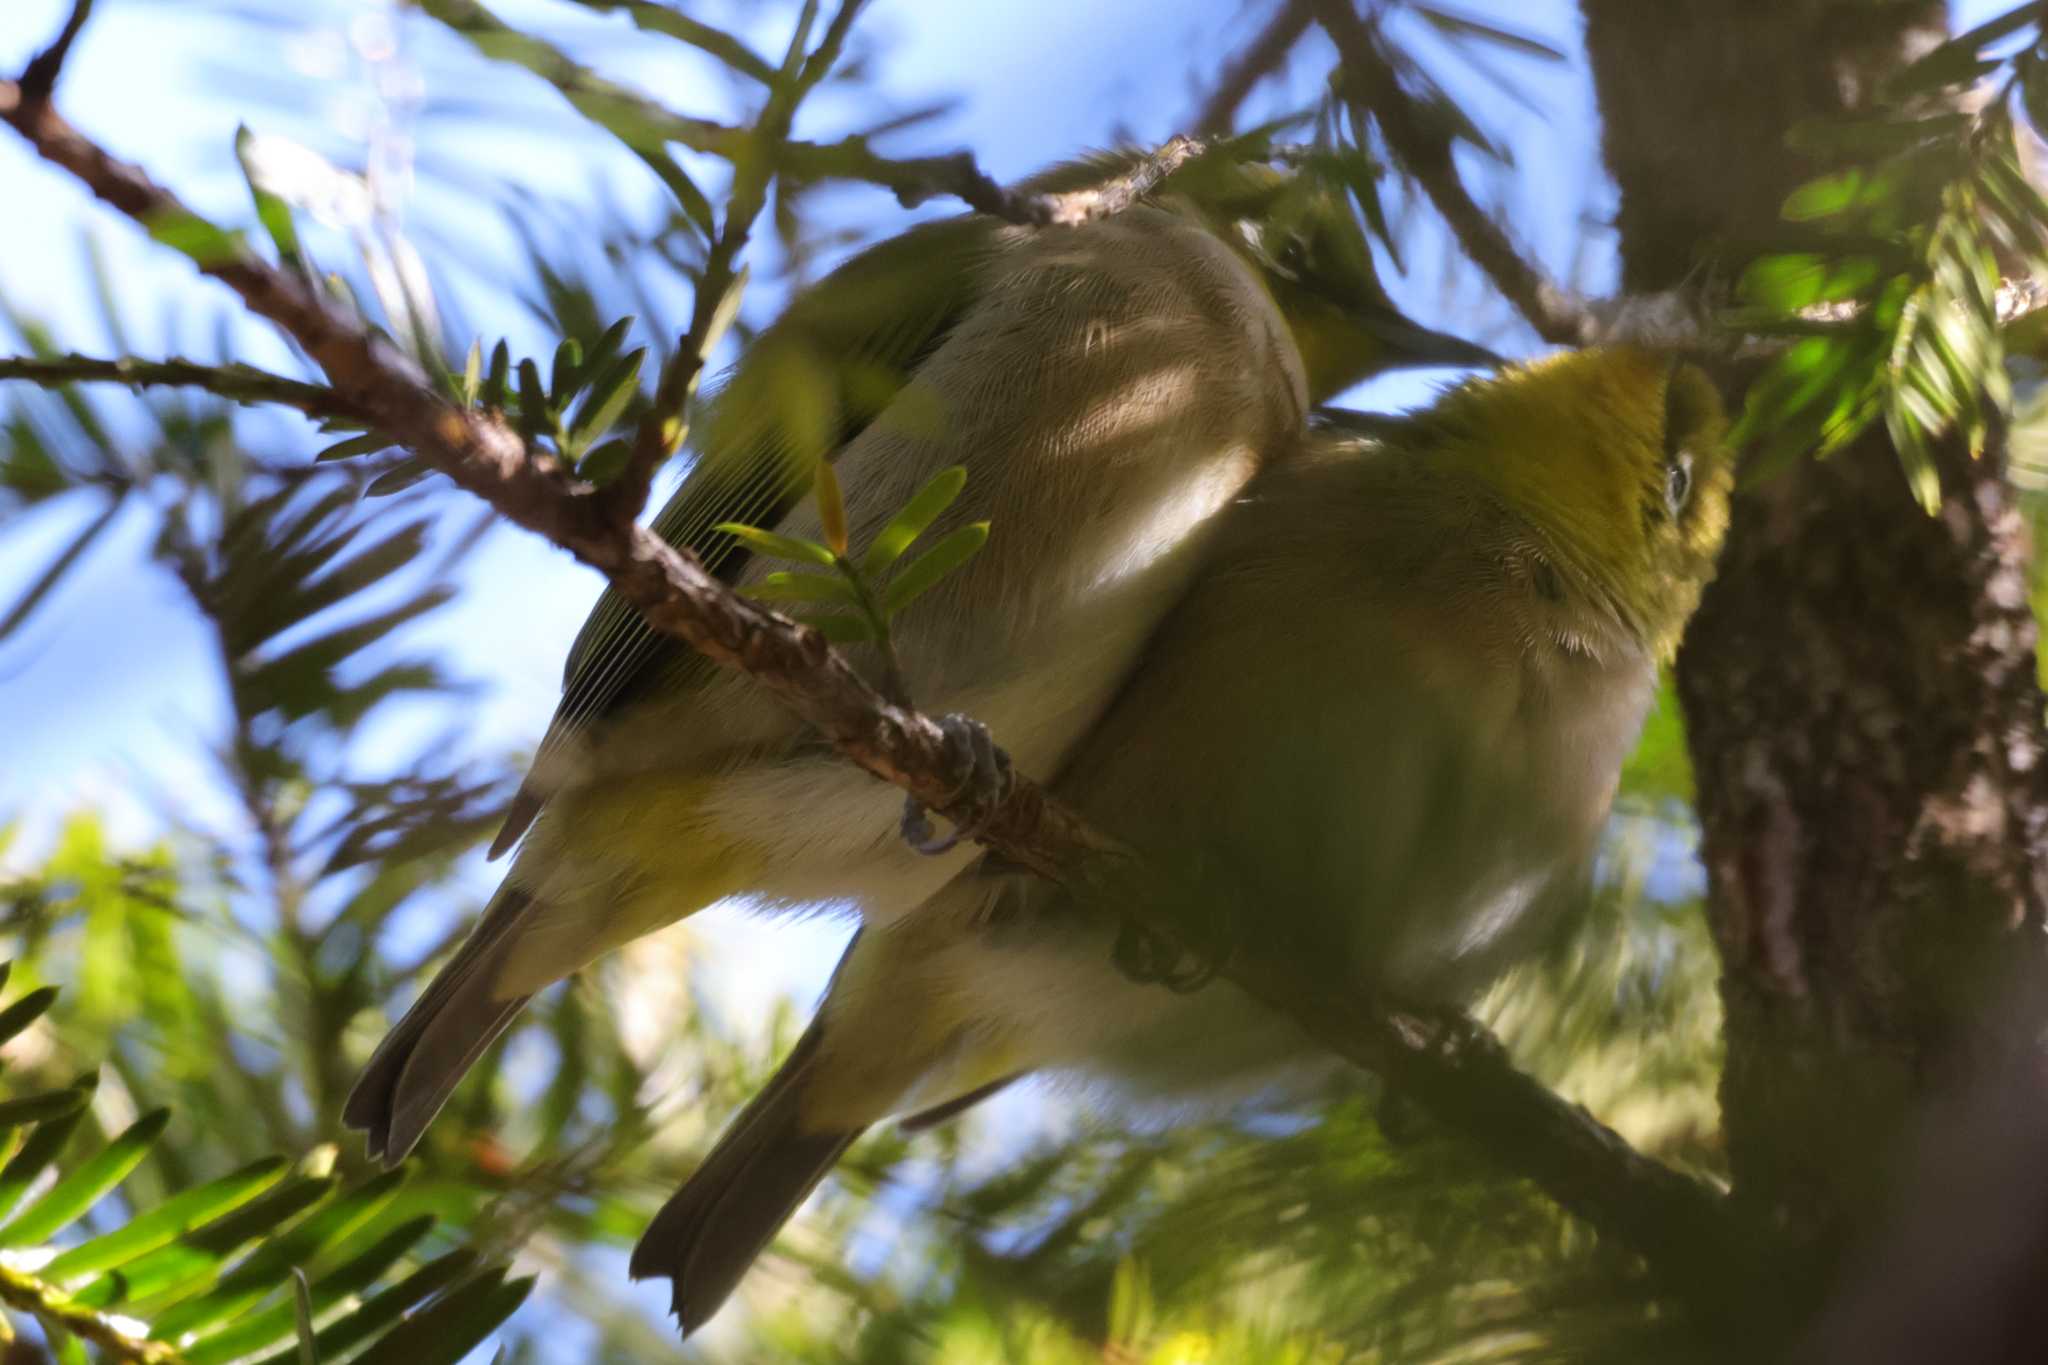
x=989 y=780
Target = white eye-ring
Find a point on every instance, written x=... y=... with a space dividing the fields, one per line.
x=1678 y=481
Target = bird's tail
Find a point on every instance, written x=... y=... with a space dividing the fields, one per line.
x=725 y=1215
x=418 y=1065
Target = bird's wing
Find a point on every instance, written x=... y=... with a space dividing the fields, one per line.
x=828 y=367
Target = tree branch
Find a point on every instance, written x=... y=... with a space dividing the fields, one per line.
x=661 y=428
x=27 y=1294
x=1259 y=59
x=239 y=383
x=1424 y=153
x=39 y=77
x=1449 y=1064
x=644 y=124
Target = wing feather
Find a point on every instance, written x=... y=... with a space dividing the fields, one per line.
x=834 y=362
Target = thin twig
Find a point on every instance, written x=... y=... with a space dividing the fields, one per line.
x=1259 y=59
x=1450 y=1065
x=239 y=383
x=39 y=77
x=1424 y=153
x=661 y=426
x=644 y=124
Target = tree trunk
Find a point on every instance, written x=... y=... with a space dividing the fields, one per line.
x=1859 y=685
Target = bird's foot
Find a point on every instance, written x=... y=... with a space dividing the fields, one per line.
x=989 y=781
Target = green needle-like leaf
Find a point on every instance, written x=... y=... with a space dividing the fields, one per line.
x=302 y=1318
x=271 y=210
x=25 y=1011
x=275 y=1323
x=473 y=371
x=73 y=1194
x=37 y=1108
x=924 y=573
x=803 y=587
x=42 y=1146
x=196 y=1257
x=924 y=508
x=777 y=546
x=265 y=1268
x=607 y=397
x=451 y=1328
x=174 y=1218
x=384 y=1308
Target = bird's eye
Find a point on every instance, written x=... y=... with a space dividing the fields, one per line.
x=1678 y=482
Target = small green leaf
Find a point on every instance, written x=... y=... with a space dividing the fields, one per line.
x=368 y=444
x=565 y=372
x=302 y=1318
x=840 y=630
x=399 y=477
x=831 y=506
x=603 y=464
x=25 y=1011
x=924 y=508
x=493 y=394
x=1824 y=197
x=175 y=1217
x=777 y=546
x=385 y=1307
x=924 y=573
x=78 y=1191
x=17 y=1113
x=803 y=587
x=184 y=231
x=721 y=316
x=473 y=371
x=607 y=398
x=275 y=1323
x=606 y=347
x=450 y=1328
x=44 y=1142
x=533 y=399
x=263 y=1269
x=195 y=1258
x=271 y=210
x=53 y=573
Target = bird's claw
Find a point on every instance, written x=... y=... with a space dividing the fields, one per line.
x=989 y=780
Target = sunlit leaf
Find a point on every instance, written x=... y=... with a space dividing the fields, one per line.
x=915 y=518
x=928 y=569
x=79 y=1189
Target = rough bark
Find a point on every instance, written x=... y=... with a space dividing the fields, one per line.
x=1859 y=685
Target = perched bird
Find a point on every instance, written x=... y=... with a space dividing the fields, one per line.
x=1384 y=727
x=1108 y=387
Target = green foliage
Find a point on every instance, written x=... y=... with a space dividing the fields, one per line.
x=214 y=1309
x=1889 y=284
x=868 y=595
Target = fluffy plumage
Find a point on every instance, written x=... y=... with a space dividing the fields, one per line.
x=1109 y=388
x=1384 y=726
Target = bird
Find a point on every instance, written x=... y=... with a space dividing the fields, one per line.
x=1108 y=387
x=1382 y=728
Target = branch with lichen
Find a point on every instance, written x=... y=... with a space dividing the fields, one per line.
x=1448 y=1064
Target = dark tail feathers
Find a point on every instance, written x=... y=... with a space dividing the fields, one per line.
x=724 y=1216
x=420 y=1062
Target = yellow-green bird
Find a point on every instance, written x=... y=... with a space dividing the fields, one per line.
x=1109 y=388
x=1384 y=725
